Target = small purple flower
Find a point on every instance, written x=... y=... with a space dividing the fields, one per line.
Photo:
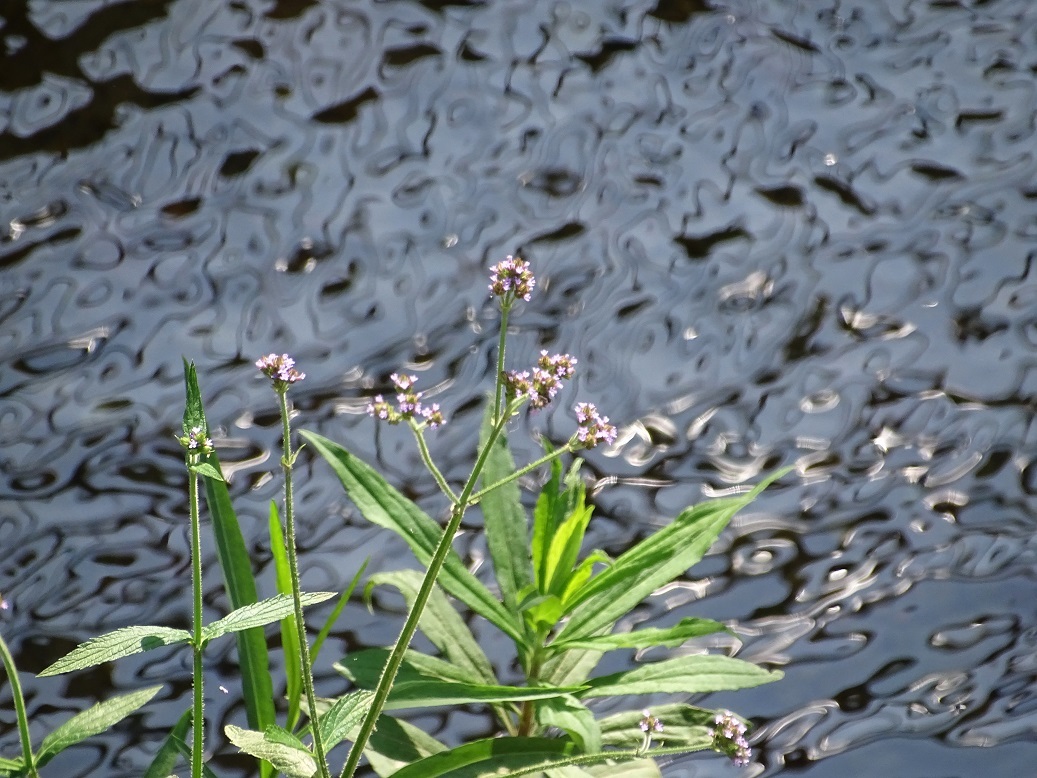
x=408 y=404
x=511 y=278
x=197 y=442
x=4 y=604
x=650 y=723
x=729 y=737
x=593 y=429
x=280 y=369
x=545 y=381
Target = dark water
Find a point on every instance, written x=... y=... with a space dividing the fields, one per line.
x=772 y=232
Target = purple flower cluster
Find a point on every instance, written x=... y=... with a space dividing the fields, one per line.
x=729 y=737
x=408 y=404
x=650 y=723
x=196 y=442
x=511 y=278
x=280 y=369
x=546 y=380
x=593 y=429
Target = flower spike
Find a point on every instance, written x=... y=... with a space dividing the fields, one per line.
x=511 y=278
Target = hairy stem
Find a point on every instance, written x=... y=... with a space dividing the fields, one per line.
x=498 y=393
x=293 y=566
x=19 y=708
x=410 y=626
x=198 y=676
x=427 y=458
x=566 y=449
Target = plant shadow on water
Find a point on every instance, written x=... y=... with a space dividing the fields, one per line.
x=783 y=232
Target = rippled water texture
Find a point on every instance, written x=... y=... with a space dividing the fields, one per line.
x=772 y=232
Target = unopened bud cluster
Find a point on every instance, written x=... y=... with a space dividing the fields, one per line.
x=729 y=738
x=196 y=442
x=408 y=404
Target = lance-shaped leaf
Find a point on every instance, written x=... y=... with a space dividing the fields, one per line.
x=259 y=613
x=8 y=766
x=165 y=760
x=671 y=637
x=441 y=624
x=236 y=565
x=115 y=645
x=395 y=744
x=425 y=681
x=383 y=505
x=507 y=533
x=656 y=560
x=344 y=714
x=484 y=757
x=573 y=717
x=282 y=749
x=684 y=726
x=289 y=629
x=91 y=722
x=364 y=668
x=637 y=768
x=686 y=674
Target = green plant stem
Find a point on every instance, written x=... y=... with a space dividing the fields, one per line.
x=293 y=566
x=19 y=708
x=198 y=677
x=505 y=309
x=566 y=449
x=392 y=664
x=427 y=458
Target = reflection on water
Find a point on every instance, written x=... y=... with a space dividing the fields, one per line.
x=777 y=232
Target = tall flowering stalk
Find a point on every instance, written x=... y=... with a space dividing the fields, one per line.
x=197 y=445
x=280 y=369
x=510 y=281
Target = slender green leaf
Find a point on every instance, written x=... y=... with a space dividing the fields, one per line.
x=115 y=645
x=194 y=415
x=570 y=667
x=259 y=613
x=289 y=629
x=565 y=545
x=395 y=744
x=507 y=533
x=8 y=766
x=483 y=757
x=686 y=675
x=92 y=721
x=547 y=515
x=582 y=573
x=684 y=726
x=671 y=637
x=336 y=611
x=345 y=713
x=655 y=561
x=419 y=683
x=207 y=470
x=276 y=746
x=571 y=716
x=165 y=760
x=639 y=768
x=441 y=624
x=364 y=668
x=236 y=565
x=382 y=505
x=185 y=752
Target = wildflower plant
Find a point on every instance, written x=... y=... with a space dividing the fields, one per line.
x=558 y=604
x=559 y=610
